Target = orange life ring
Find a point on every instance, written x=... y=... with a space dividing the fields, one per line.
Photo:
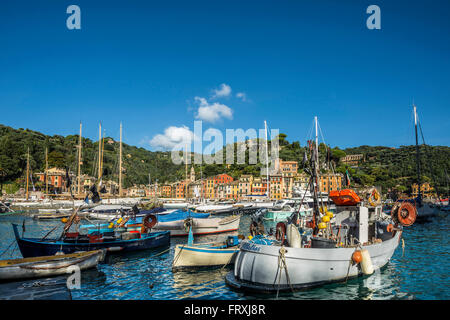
x=146 y=224
x=406 y=214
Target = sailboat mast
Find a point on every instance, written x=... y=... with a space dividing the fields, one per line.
x=120 y=162
x=103 y=149
x=28 y=169
x=79 y=162
x=419 y=195
x=186 y=173
x=317 y=141
x=99 y=150
x=46 y=171
x=267 y=160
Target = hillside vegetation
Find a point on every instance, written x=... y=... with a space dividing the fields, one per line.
x=390 y=168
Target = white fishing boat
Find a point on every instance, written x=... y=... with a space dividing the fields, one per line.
x=357 y=240
x=175 y=205
x=200 y=226
x=107 y=211
x=26 y=268
x=215 y=208
x=205 y=254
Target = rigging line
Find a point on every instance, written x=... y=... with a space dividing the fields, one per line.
x=428 y=162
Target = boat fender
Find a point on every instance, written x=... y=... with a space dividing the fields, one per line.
x=366 y=262
x=390 y=227
x=114 y=249
x=357 y=257
x=293 y=236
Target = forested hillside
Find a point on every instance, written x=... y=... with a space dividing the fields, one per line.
x=382 y=166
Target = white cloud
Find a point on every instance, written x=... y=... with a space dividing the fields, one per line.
x=174 y=138
x=212 y=112
x=242 y=96
x=223 y=91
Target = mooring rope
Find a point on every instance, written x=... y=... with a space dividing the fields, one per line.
x=282 y=265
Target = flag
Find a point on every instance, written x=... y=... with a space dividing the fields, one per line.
x=347 y=178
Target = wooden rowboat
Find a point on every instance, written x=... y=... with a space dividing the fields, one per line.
x=37 y=267
x=205 y=254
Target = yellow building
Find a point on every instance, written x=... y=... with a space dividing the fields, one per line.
x=330 y=181
x=276 y=186
x=426 y=190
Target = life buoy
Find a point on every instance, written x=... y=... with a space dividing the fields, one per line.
x=146 y=224
x=374 y=197
x=406 y=214
x=280 y=231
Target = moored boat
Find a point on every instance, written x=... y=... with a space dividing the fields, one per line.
x=73 y=242
x=45 y=266
x=205 y=254
x=200 y=226
x=356 y=240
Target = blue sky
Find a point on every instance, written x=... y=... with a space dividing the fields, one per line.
x=153 y=64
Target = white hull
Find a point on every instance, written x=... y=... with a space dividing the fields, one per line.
x=54 y=265
x=201 y=255
x=200 y=226
x=256 y=266
x=175 y=205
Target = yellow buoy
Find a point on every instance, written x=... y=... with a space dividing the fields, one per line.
x=326 y=219
x=330 y=214
x=119 y=220
x=111 y=225
x=64 y=220
x=250 y=237
x=322 y=225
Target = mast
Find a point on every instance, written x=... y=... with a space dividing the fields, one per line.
x=317 y=140
x=186 y=173
x=120 y=162
x=267 y=160
x=103 y=149
x=28 y=169
x=99 y=150
x=46 y=170
x=419 y=195
x=79 y=162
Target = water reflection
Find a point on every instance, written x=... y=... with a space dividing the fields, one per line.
x=418 y=273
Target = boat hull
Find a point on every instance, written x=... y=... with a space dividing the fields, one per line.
x=256 y=266
x=202 y=256
x=200 y=226
x=30 y=247
x=46 y=266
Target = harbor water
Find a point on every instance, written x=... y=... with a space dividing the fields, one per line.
x=417 y=271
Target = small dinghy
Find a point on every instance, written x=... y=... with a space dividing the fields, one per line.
x=37 y=267
x=211 y=254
